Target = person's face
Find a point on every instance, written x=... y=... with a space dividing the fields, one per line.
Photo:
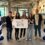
x=37 y=11
x=24 y=14
x=10 y=14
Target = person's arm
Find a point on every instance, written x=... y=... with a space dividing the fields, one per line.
x=6 y=19
x=33 y=18
x=32 y=21
x=28 y=21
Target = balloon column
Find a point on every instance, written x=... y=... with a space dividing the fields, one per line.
x=1 y=35
x=43 y=32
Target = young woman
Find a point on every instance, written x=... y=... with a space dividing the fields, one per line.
x=17 y=29
x=23 y=30
x=30 y=27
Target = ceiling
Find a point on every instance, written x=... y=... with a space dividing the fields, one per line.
x=16 y=3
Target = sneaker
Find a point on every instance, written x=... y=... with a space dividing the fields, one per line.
x=30 y=39
x=26 y=39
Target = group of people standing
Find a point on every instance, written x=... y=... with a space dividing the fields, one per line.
x=33 y=20
x=9 y=25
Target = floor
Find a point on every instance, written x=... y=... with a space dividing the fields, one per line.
x=20 y=42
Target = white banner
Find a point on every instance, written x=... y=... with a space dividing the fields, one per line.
x=20 y=23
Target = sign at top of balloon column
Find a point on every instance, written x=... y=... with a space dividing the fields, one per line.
x=20 y=23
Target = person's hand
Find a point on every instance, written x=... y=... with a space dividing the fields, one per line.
x=31 y=21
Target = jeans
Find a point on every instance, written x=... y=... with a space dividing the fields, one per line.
x=39 y=30
x=16 y=33
x=30 y=31
x=9 y=33
x=23 y=30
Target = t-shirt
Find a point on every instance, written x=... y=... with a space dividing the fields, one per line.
x=36 y=19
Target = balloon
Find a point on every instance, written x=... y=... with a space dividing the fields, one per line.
x=44 y=30
x=44 y=38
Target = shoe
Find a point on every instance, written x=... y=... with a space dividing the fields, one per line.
x=30 y=39
x=26 y=39
x=35 y=38
x=8 y=40
x=11 y=39
x=17 y=38
x=39 y=38
x=23 y=35
x=20 y=36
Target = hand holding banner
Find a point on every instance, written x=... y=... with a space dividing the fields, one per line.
x=20 y=23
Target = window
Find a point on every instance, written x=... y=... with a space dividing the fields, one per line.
x=2 y=11
x=22 y=10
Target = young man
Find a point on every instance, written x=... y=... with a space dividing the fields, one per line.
x=9 y=26
x=37 y=24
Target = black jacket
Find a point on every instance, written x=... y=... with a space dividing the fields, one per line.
x=40 y=19
x=8 y=22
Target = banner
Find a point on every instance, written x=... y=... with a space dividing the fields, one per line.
x=20 y=23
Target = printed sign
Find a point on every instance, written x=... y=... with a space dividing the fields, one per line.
x=20 y=23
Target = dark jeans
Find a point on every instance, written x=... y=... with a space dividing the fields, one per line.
x=9 y=33
x=38 y=28
x=23 y=30
x=16 y=33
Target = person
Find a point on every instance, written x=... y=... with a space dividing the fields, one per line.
x=37 y=24
x=23 y=30
x=30 y=27
x=9 y=26
x=17 y=29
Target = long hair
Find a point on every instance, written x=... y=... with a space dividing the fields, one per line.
x=24 y=15
x=17 y=15
x=30 y=16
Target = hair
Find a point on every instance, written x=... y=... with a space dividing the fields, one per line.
x=10 y=11
x=37 y=10
x=29 y=16
x=24 y=15
x=18 y=15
